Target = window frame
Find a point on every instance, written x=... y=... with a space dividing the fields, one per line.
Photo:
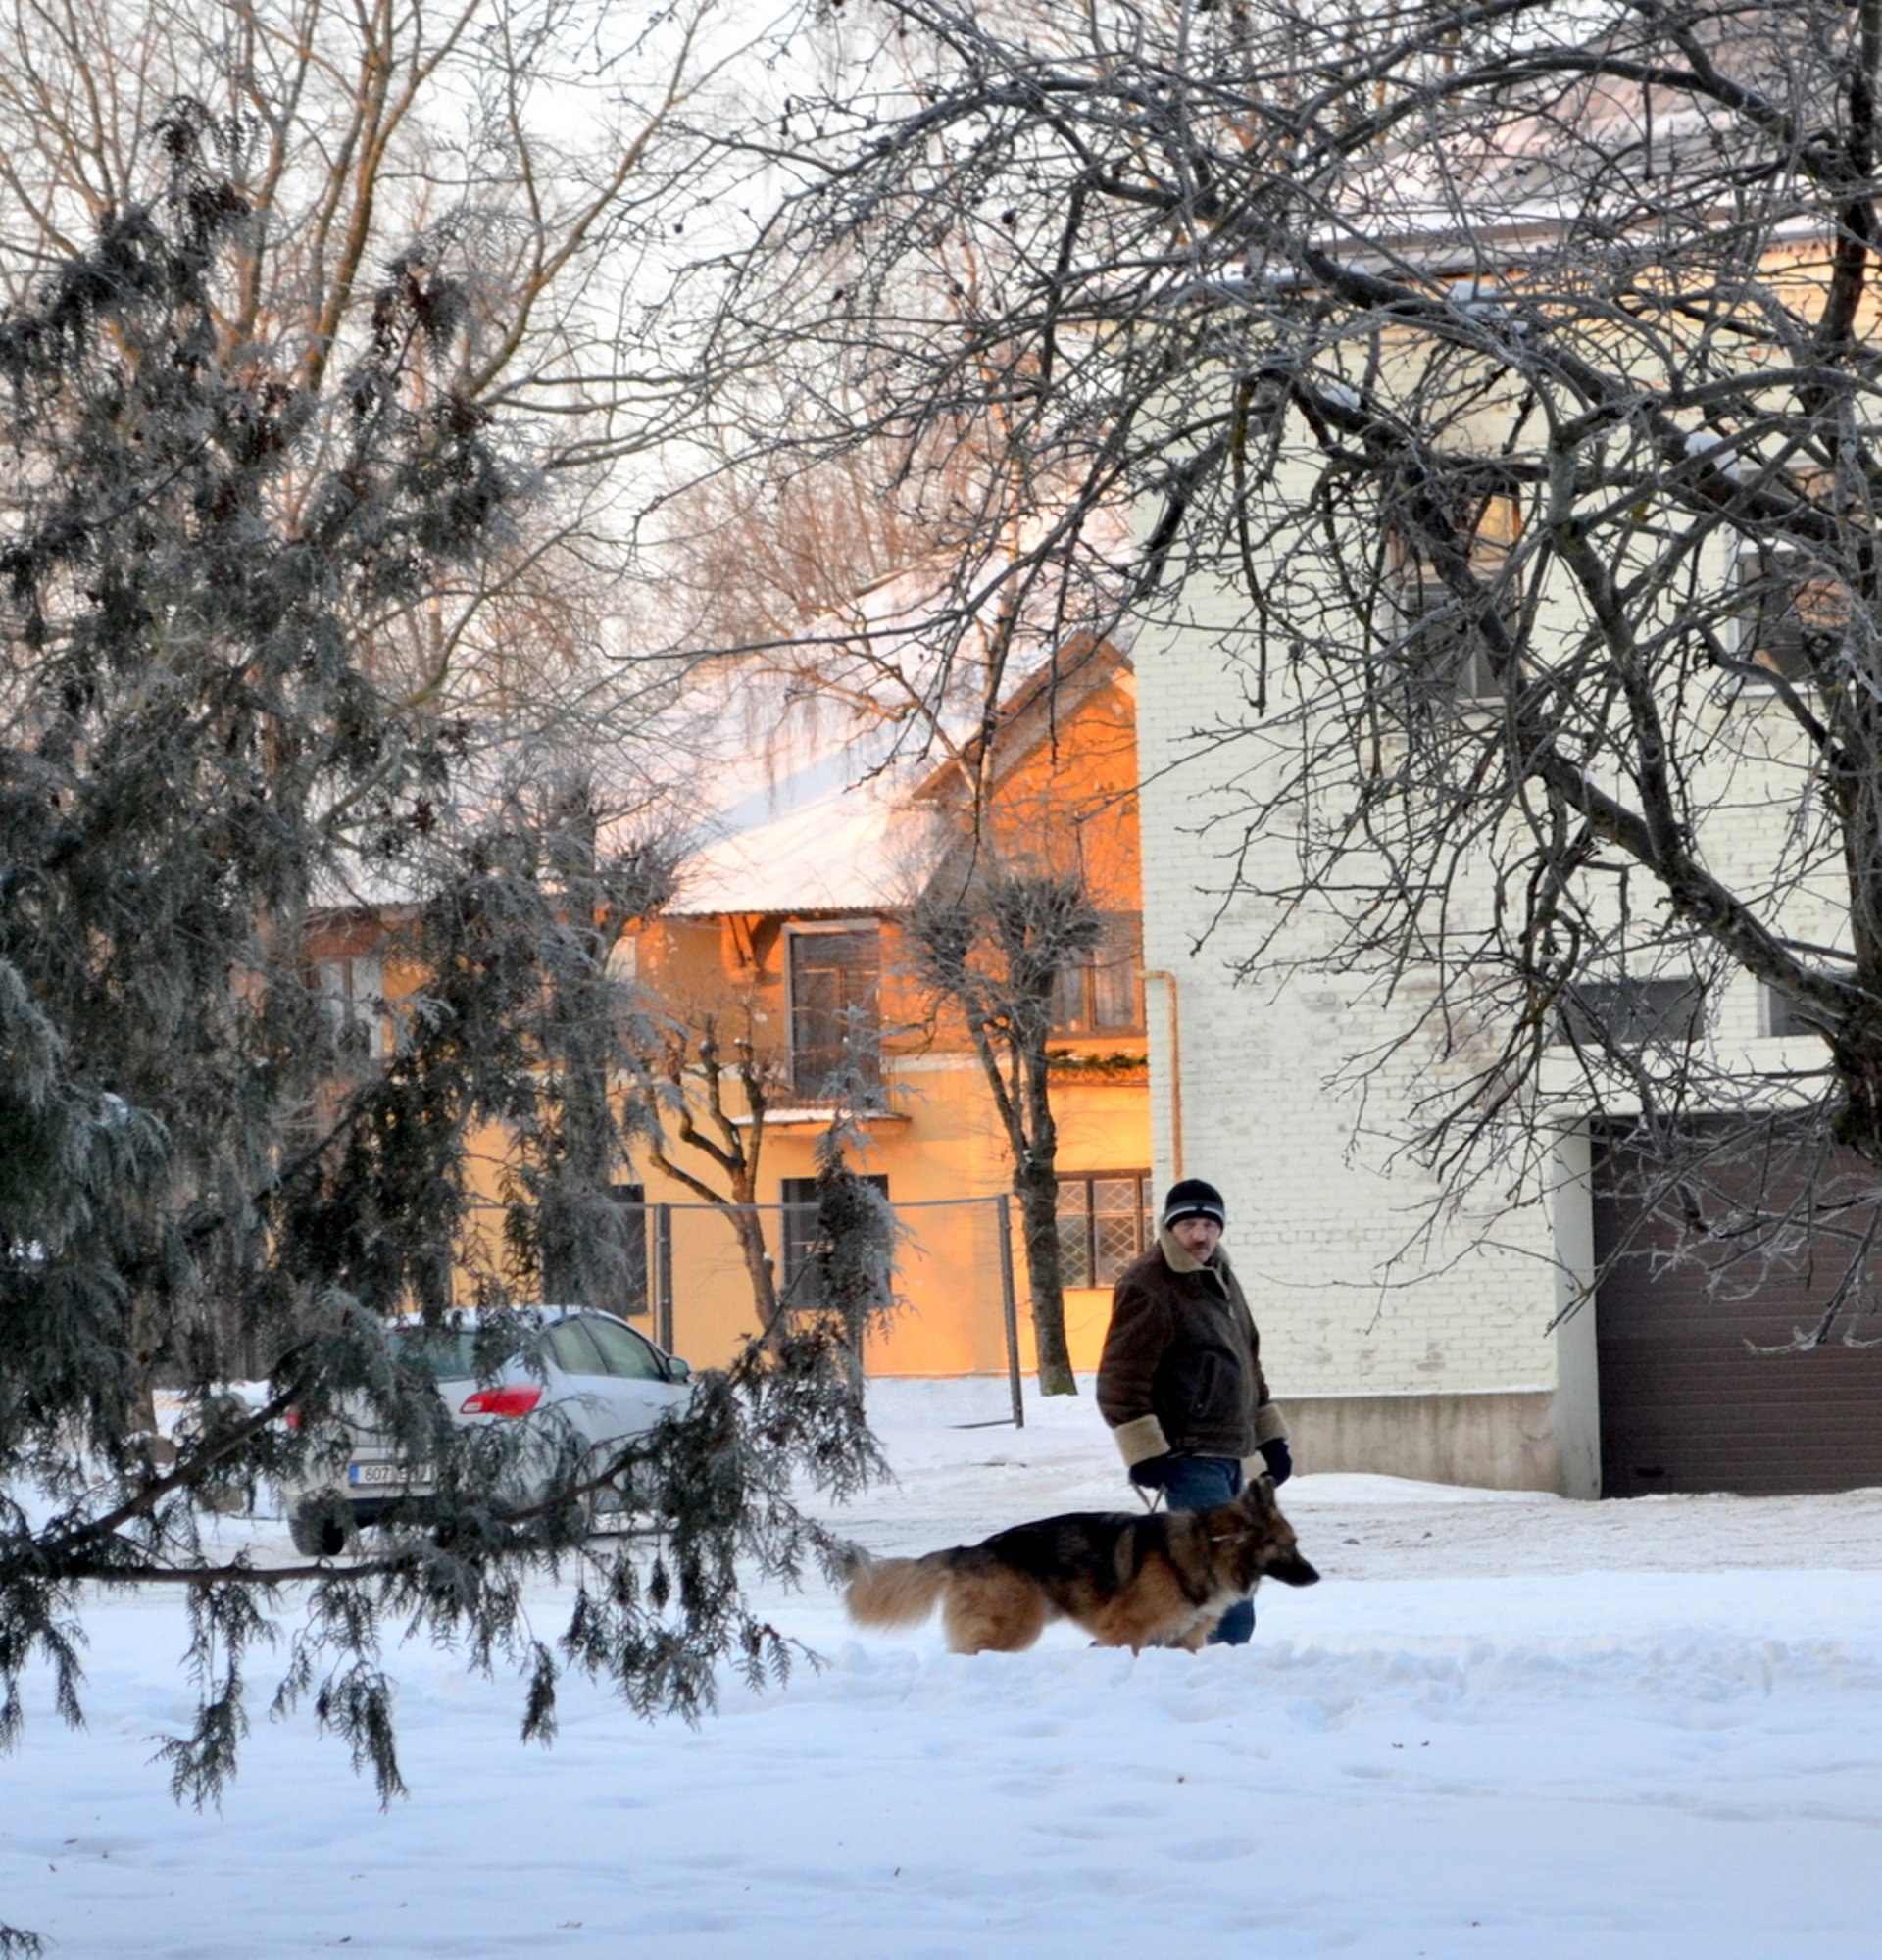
x=1418 y=596
x=349 y=990
x=1125 y=929
x=1097 y=1272
x=1633 y=1012
x=867 y=1062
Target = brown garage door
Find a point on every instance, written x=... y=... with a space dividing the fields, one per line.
x=1772 y=1233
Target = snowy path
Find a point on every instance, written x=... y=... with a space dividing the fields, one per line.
x=1504 y=1729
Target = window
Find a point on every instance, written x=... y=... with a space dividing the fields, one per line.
x=571 y=1349
x=835 y=978
x=1105 y=995
x=1787 y=616
x=352 y=996
x=447 y=1353
x=623 y=1352
x=799 y=1194
x=632 y=1215
x=1634 y=1013
x=586 y=1344
x=1783 y=1016
x=1439 y=642
x=1105 y=1220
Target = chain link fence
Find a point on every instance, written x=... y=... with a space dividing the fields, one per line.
x=690 y=1280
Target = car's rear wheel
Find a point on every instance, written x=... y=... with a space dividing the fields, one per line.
x=319 y=1531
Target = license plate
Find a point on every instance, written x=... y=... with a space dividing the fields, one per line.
x=377 y=1473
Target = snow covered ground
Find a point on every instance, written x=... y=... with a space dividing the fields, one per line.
x=1503 y=1725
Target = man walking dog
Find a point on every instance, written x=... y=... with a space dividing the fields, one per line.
x=1180 y=1381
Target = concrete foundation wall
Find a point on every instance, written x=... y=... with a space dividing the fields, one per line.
x=1500 y=1441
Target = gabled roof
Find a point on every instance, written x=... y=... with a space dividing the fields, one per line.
x=1032 y=715
x=806 y=806
x=807 y=775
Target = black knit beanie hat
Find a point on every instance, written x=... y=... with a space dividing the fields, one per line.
x=1191 y=1197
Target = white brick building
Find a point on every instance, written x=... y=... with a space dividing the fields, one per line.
x=1401 y=1336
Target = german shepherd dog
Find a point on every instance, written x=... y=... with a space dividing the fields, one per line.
x=1162 y=1580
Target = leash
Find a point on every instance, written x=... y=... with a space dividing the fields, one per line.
x=1154 y=1500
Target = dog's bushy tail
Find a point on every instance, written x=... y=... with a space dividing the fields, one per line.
x=896 y=1592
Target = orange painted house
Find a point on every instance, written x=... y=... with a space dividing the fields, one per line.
x=786 y=933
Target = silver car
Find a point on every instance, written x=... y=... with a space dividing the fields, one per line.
x=599 y=1382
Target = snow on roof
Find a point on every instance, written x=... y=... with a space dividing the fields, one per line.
x=806 y=807
x=800 y=768
x=1504 y=182
x=800 y=777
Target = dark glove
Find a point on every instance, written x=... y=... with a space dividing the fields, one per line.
x=1280 y=1465
x=1151 y=1472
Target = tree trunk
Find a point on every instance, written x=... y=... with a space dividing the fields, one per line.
x=1036 y=1186
x=995 y=948
x=158 y=1454
x=749 y=1224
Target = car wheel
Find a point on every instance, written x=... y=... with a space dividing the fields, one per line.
x=319 y=1531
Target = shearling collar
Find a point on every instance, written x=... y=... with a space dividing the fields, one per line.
x=1181 y=1262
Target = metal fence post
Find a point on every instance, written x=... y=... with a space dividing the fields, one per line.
x=663 y=1276
x=1010 y=1304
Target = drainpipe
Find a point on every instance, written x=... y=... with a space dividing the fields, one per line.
x=1176 y=1071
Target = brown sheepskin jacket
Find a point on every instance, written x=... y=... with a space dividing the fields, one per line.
x=1182 y=1362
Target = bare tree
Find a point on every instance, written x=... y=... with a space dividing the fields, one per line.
x=1497 y=387
x=992 y=941
x=694 y=1097
x=763 y=557
x=542 y=141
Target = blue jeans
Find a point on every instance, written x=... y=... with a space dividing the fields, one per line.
x=1192 y=1484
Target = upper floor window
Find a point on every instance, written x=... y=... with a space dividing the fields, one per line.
x=1439 y=639
x=1105 y=993
x=351 y=992
x=835 y=985
x=1787 y=614
x=1634 y=1013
